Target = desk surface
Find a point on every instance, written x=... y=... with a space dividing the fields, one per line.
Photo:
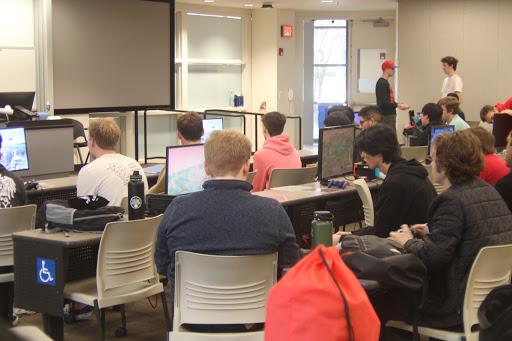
x=293 y=195
x=71 y=239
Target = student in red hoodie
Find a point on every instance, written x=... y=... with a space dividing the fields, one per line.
x=277 y=151
x=495 y=167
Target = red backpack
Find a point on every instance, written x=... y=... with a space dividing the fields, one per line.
x=320 y=299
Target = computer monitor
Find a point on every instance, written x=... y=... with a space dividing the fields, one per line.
x=502 y=125
x=437 y=130
x=185 y=169
x=14 y=149
x=210 y=125
x=335 y=151
x=23 y=99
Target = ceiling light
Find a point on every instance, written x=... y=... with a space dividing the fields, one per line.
x=248 y=5
x=209 y=0
x=327 y=1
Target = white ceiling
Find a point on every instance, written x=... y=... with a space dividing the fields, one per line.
x=305 y=5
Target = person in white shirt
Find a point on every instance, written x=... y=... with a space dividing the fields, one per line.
x=450 y=107
x=452 y=82
x=108 y=175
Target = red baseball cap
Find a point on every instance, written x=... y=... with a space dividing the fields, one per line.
x=388 y=64
x=500 y=106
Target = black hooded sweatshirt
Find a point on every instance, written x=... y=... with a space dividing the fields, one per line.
x=404 y=198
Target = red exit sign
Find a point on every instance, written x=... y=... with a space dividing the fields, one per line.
x=286 y=31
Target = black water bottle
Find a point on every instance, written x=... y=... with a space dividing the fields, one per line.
x=135 y=197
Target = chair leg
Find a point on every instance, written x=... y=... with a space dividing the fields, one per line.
x=87 y=157
x=79 y=155
x=166 y=311
x=100 y=317
x=123 y=315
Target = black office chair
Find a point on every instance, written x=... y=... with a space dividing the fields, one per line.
x=79 y=131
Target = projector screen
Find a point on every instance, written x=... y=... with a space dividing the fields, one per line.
x=112 y=54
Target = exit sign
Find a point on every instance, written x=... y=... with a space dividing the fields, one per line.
x=286 y=31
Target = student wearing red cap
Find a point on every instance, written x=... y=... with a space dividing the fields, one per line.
x=386 y=97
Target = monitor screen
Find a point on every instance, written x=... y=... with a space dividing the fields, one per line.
x=210 y=125
x=502 y=125
x=336 y=151
x=185 y=169
x=14 y=149
x=357 y=120
x=438 y=130
x=24 y=99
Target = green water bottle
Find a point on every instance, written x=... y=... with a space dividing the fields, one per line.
x=322 y=229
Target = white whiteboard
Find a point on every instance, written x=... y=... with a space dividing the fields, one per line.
x=370 y=61
x=17 y=70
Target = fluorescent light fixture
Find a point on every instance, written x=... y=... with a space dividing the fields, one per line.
x=213 y=16
x=248 y=5
x=209 y=0
x=327 y=1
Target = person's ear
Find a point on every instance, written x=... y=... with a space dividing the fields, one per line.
x=180 y=137
x=247 y=166
x=207 y=171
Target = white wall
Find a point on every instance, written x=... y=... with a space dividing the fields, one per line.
x=477 y=32
x=17 y=53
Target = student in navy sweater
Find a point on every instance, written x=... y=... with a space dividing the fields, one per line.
x=225 y=218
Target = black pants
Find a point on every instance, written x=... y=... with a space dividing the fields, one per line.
x=6 y=295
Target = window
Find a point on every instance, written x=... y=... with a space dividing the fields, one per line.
x=329 y=68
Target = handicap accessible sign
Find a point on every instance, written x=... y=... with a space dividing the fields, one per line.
x=46 y=271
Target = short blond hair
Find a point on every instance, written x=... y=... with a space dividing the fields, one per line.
x=225 y=152
x=105 y=133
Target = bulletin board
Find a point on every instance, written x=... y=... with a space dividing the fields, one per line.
x=369 y=72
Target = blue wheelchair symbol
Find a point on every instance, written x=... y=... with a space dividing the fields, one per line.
x=46 y=271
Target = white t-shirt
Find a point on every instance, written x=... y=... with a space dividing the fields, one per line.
x=451 y=84
x=486 y=126
x=108 y=176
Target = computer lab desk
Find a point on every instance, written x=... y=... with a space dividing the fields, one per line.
x=300 y=202
x=39 y=286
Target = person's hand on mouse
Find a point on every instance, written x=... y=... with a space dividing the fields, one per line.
x=401 y=236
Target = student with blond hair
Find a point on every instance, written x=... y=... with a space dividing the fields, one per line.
x=108 y=175
x=225 y=218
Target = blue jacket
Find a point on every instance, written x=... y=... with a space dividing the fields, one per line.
x=225 y=219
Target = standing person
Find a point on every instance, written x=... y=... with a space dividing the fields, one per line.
x=452 y=82
x=386 y=97
x=277 y=150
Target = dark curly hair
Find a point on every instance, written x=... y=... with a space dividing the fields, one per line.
x=459 y=155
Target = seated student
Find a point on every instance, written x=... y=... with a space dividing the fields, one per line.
x=370 y=116
x=405 y=193
x=277 y=151
x=108 y=175
x=495 y=167
x=430 y=115
x=12 y=190
x=450 y=108
x=12 y=193
x=487 y=117
x=344 y=109
x=190 y=131
x=459 y=112
x=469 y=215
x=225 y=218
x=504 y=186
x=337 y=118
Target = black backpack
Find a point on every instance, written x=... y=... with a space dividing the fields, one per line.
x=495 y=315
x=80 y=214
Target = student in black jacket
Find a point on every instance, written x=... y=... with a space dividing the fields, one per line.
x=467 y=216
x=405 y=193
x=430 y=115
x=386 y=97
x=504 y=186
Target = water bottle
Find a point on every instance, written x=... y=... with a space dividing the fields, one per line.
x=322 y=229
x=135 y=197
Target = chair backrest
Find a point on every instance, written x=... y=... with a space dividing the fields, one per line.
x=78 y=130
x=291 y=176
x=492 y=268
x=126 y=256
x=250 y=177
x=366 y=197
x=14 y=219
x=222 y=289
x=419 y=153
